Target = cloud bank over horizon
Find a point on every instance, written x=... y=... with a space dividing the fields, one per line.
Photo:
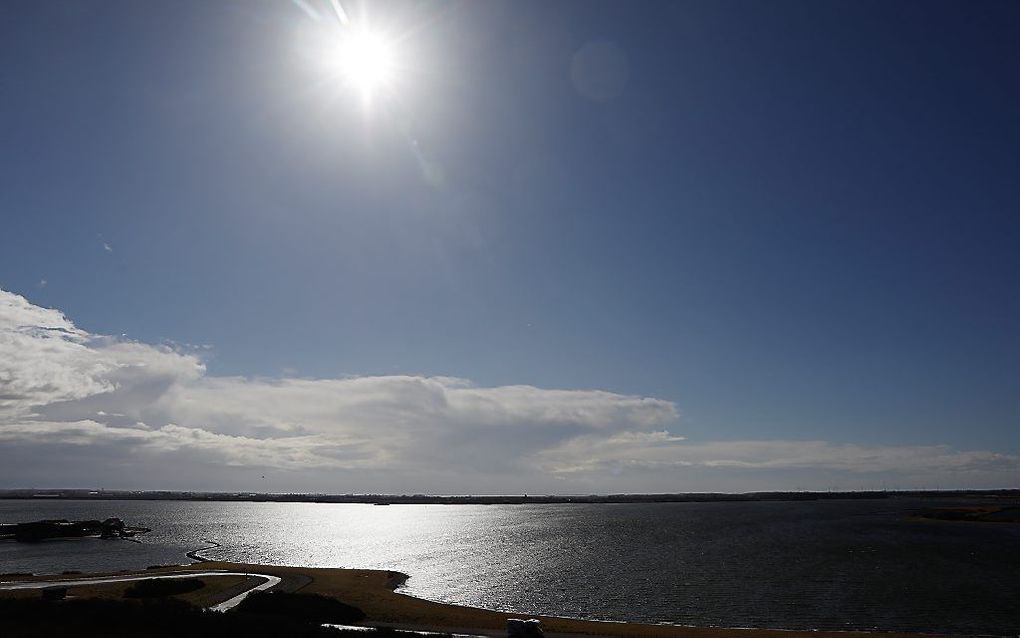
x=80 y=409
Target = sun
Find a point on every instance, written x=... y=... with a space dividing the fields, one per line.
x=364 y=60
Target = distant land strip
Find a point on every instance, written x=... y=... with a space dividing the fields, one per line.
x=489 y=499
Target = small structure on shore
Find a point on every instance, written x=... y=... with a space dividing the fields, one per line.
x=518 y=628
x=42 y=530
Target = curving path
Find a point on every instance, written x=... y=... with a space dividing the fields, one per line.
x=268 y=582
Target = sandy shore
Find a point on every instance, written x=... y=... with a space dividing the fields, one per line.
x=374 y=592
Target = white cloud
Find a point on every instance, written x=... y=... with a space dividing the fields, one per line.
x=47 y=362
x=304 y=452
x=64 y=390
x=60 y=385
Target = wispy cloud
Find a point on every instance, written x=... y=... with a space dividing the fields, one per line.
x=660 y=450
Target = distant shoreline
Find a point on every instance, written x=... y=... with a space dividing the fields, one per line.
x=508 y=499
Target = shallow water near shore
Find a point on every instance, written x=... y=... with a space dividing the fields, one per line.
x=795 y=565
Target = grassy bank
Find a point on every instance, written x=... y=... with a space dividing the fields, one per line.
x=373 y=592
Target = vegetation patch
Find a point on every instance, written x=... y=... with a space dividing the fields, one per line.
x=158 y=587
x=308 y=607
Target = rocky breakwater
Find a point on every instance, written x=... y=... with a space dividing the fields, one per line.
x=42 y=530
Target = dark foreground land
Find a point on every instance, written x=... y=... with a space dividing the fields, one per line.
x=509 y=499
x=340 y=596
x=171 y=618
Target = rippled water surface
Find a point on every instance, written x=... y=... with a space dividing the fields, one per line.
x=823 y=565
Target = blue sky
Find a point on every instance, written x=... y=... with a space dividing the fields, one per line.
x=791 y=221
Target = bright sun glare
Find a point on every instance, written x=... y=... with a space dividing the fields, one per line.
x=365 y=60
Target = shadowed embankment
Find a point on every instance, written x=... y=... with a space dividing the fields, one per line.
x=373 y=591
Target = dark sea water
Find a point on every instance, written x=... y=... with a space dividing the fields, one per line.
x=795 y=565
